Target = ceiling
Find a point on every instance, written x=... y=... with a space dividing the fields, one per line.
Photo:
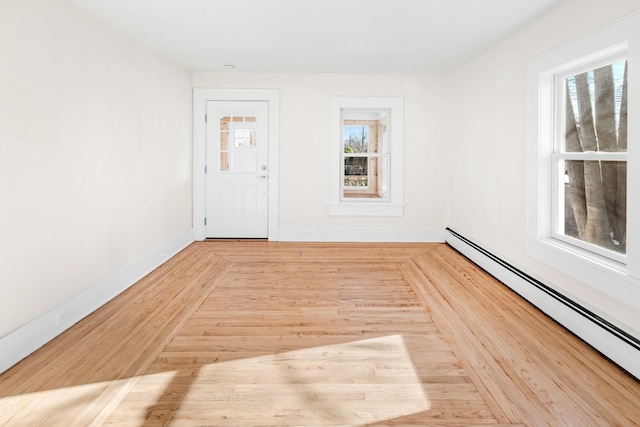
x=319 y=36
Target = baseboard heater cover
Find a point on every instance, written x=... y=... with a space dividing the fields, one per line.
x=614 y=343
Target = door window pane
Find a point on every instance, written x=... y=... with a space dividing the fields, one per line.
x=238 y=144
x=224 y=161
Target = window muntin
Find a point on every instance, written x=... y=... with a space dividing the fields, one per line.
x=589 y=158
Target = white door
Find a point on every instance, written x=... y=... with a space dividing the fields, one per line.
x=237 y=169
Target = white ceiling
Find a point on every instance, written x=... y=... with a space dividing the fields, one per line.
x=319 y=36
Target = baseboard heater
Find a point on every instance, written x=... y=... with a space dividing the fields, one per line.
x=614 y=343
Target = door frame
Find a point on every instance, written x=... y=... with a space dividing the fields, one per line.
x=200 y=98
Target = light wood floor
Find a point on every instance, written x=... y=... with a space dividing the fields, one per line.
x=279 y=334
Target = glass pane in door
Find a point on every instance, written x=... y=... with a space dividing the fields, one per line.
x=238 y=150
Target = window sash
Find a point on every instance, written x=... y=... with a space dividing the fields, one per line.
x=591 y=156
x=597 y=250
x=386 y=158
x=557 y=203
x=345 y=155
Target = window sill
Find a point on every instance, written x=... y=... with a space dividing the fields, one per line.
x=365 y=208
x=607 y=276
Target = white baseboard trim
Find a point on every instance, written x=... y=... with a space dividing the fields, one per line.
x=614 y=343
x=23 y=341
x=339 y=234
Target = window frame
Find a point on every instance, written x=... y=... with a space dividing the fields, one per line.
x=618 y=53
x=393 y=204
x=383 y=153
x=611 y=277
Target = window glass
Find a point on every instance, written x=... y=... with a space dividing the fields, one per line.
x=238 y=144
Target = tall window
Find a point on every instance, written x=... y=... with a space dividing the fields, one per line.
x=365 y=154
x=583 y=159
x=366 y=163
x=590 y=158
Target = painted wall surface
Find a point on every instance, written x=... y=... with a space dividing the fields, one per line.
x=305 y=145
x=487 y=174
x=95 y=154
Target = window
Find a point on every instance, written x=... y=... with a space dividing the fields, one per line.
x=590 y=158
x=366 y=156
x=583 y=195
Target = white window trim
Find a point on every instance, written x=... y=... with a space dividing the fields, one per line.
x=615 y=279
x=394 y=204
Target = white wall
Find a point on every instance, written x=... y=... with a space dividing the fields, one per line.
x=95 y=149
x=305 y=145
x=487 y=174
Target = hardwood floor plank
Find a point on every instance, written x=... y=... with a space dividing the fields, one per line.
x=117 y=347
x=523 y=345
x=264 y=333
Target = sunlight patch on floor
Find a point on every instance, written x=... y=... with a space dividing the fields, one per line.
x=58 y=406
x=348 y=384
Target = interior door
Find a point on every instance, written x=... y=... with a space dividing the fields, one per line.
x=237 y=169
